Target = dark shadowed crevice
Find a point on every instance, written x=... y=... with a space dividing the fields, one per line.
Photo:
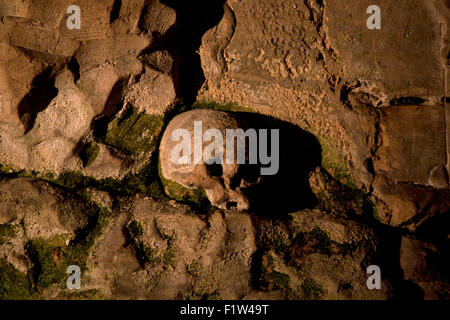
x=113 y=104
x=288 y=190
x=115 y=12
x=387 y=257
x=214 y=170
x=256 y=269
x=183 y=40
x=231 y=205
x=407 y=101
x=74 y=67
x=42 y=92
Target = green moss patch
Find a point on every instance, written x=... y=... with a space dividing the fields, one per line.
x=346 y=199
x=72 y=180
x=14 y=285
x=269 y=278
x=213 y=105
x=311 y=289
x=6 y=169
x=169 y=254
x=276 y=240
x=7 y=231
x=91 y=294
x=316 y=241
x=178 y=192
x=145 y=182
x=134 y=133
x=295 y=247
x=147 y=255
x=334 y=161
x=10 y=172
x=306 y=243
x=193 y=268
x=89 y=153
x=135 y=229
x=201 y=295
x=51 y=257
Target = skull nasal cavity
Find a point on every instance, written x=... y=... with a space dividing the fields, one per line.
x=214 y=170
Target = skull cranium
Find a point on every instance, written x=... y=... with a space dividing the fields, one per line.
x=227 y=185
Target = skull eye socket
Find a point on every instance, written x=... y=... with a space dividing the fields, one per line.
x=231 y=205
x=247 y=173
x=235 y=182
x=250 y=173
x=214 y=170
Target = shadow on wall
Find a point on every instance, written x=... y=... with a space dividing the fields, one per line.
x=42 y=92
x=288 y=190
x=182 y=40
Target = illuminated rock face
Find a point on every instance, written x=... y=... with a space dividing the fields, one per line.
x=83 y=110
x=63 y=90
x=374 y=98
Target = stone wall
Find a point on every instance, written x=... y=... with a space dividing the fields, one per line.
x=83 y=111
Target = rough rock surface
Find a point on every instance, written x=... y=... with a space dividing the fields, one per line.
x=375 y=99
x=364 y=171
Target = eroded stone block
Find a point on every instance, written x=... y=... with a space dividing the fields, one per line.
x=413 y=145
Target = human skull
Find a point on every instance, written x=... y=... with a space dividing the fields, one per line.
x=227 y=186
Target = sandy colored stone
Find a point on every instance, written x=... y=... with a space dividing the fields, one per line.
x=120 y=51
x=36 y=210
x=68 y=115
x=41 y=40
x=413 y=145
x=221 y=250
x=320 y=269
x=153 y=94
x=95 y=19
x=97 y=85
x=157 y=17
x=15 y=85
x=127 y=17
x=406 y=205
x=15 y=8
x=13 y=149
x=160 y=60
x=375 y=100
x=412 y=49
x=51 y=154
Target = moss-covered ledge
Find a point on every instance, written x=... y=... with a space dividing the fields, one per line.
x=49 y=258
x=134 y=133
